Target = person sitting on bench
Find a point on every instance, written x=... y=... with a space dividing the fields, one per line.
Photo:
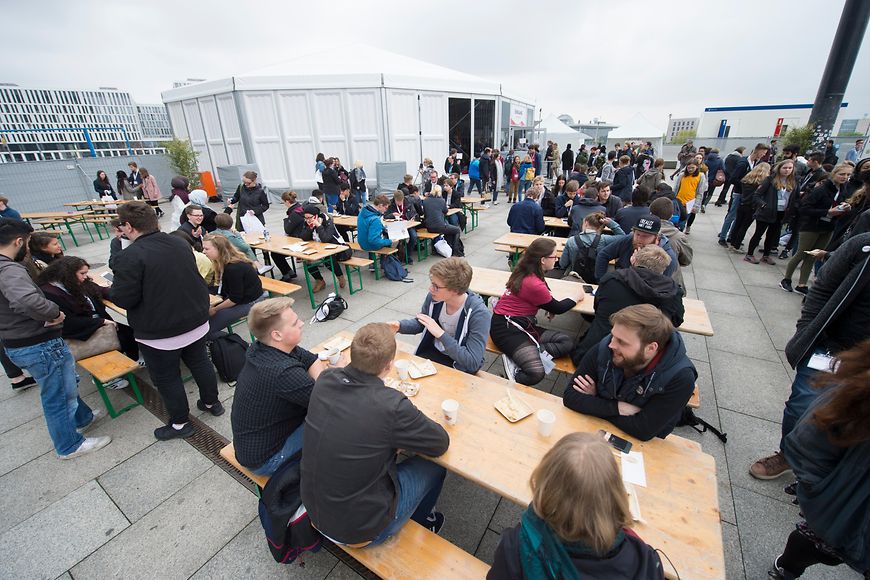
x=319 y=227
x=224 y=227
x=638 y=377
x=353 y=489
x=237 y=283
x=577 y=523
x=453 y=320
x=273 y=388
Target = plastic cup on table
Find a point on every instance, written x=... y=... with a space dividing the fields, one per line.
x=546 y=422
x=402 y=367
x=451 y=410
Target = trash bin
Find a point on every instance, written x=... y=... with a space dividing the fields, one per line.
x=207 y=181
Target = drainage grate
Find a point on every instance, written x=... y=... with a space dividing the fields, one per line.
x=209 y=442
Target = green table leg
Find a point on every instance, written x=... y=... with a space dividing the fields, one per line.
x=71 y=234
x=308 y=284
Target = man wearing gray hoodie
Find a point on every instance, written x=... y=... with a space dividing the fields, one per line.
x=664 y=209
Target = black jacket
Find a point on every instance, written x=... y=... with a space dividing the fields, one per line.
x=80 y=322
x=240 y=283
x=813 y=210
x=567 y=160
x=622 y=183
x=628 y=287
x=156 y=280
x=582 y=207
x=435 y=212
x=612 y=205
x=250 y=198
x=730 y=164
x=548 y=203
x=561 y=200
x=350 y=206
x=208 y=215
x=764 y=200
x=295 y=221
x=741 y=168
x=331 y=181
x=627 y=217
x=353 y=429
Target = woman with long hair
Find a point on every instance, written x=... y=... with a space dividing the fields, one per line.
x=43 y=248
x=593 y=227
x=319 y=166
x=828 y=452
x=746 y=208
x=514 y=177
x=151 y=191
x=66 y=283
x=236 y=280
x=514 y=328
x=102 y=186
x=770 y=199
x=859 y=202
x=577 y=525
x=817 y=214
x=548 y=201
x=690 y=186
x=125 y=189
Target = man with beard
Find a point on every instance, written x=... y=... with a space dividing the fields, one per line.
x=638 y=377
x=647 y=231
x=611 y=203
x=30 y=328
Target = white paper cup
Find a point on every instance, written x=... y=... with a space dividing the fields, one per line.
x=402 y=367
x=334 y=356
x=546 y=422
x=451 y=410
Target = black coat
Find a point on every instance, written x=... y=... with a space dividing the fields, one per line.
x=350 y=206
x=250 y=198
x=567 y=160
x=764 y=200
x=622 y=183
x=295 y=221
x=409 y=209
x=814 y=207
x=730 y=164
x=331 y=181
x=80 y=322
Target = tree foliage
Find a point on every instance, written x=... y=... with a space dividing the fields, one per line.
x=800 y=136
x=182 y=158
x=684 y=135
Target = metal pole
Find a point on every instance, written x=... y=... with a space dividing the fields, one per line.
x=838 y=70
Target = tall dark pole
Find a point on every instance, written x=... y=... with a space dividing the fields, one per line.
x=841 y=61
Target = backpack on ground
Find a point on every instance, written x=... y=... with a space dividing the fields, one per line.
x=289 y=532
x=393 y=268
x=584 y=265
x=227 y=353
x=329 y=309
x=689 y=419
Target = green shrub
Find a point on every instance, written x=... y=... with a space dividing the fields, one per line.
x=182 y=158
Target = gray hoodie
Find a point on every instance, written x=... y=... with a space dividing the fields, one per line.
x=24 y=309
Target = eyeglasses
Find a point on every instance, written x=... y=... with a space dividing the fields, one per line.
x=435 y=286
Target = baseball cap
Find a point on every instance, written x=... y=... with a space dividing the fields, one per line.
x=650 y=224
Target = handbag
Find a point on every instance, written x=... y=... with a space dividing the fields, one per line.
x=443 y=247
x=104 y=339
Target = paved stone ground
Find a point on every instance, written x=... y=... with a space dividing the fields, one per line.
x=143 y=509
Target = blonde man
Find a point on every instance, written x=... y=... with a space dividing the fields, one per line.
x=355 y=492
x=453 y=320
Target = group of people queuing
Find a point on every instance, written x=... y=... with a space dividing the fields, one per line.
x=138 y=184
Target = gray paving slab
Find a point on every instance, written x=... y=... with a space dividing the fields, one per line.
x=749 y=439
x=758 y=388
x=19 y=408
x=764 y=528
x=763 y=275
x=28 y=489
x=247 y=556
x=342 y=572
x=467 y=509
x=65 y=576
x=733 y=552
x=150 y=477
x=696 y=346
x=741 y=335
x=735 y=304
x=221 y=424
x=56 y=538
x=174 y=540
x=24 y=443
x=488 y=544
x=719 y=278
x=713 y=446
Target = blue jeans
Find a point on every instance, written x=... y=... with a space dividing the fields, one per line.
x=331 y=201
x=52 y=365
x=729 y=217
x=411 y=244
x=802 y=394
x=475 y=183
x=420 y=483
x=292 y=446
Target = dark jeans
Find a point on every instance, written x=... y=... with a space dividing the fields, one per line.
x=129 y=346
x=721 y=199
x=332 y=264
x=10 y=368
x=475 y=183
x=802 y=394
x=420 y=483
x=280 y=260
x=165 y=370
x=771 y=239
x=710 y=189
x=742 y=221
x=801 y=552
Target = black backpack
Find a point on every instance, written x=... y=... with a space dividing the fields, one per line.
x=584 y=265
x=393 y=268
x=329 y=309
x=227 y=353
x=689 y=419
x=289 y=532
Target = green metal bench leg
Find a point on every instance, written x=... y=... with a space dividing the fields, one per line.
x=350 y=271
x=374 y=258
x=111 y=408
x=308 y=285
x=71 y=234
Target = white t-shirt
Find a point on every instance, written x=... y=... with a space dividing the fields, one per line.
x=448 y=322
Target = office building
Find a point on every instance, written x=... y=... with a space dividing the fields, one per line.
x=681 y=124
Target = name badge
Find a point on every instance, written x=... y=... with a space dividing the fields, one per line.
x=822 y=362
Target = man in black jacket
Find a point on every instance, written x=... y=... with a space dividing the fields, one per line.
x=166 y=299
x=813 y=175
x=638 y=377
x=835 y=317
x=567 y=159
x=355 y=492
x=623 y=180
x=743 y=166
x=273 y=389
x=485 y=169
x=643 y=283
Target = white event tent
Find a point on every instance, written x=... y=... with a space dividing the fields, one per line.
x=638 y=128
x=354 y=102
x=560 y=133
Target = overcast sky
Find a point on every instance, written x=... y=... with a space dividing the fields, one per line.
x=605 y=59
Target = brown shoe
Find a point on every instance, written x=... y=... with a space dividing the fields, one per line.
x=341 y=281
x=770 y=467
x=768 y=260
x=318 y=286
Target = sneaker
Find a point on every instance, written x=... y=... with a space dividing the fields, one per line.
x=735 y=249
x=510 y=367
x=768 y=260
x=750 y=258
x=288 y=276
x=99 y=415
x=435 y=521
x=216 y=409
x=723 y=243
x=802 y=290
x=168 y=432
x=263 y=269
x=778 y=572
x=791 y=489
x=783 y=255
x=785 y=284
x=770 y=467
x=24 y=384
x=495 y=203
x=408 y=280
x=703 y=209
x=88 y=445
x=688 y=230
x=116 y=384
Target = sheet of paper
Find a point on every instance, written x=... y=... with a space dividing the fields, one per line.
x=689 y=205
x=397 y=230
x=632 y=468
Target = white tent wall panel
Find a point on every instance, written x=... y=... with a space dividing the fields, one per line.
x=365 y=125
x=229 y=118
x=197 y=135
x=214 y=136
x=259 y=110
x=404 y=127
x=176 y=119
x=328 y=118
x=295 y=118
x=433 y=125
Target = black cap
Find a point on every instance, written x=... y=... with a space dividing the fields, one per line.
x=650 y=224
x=311 y=209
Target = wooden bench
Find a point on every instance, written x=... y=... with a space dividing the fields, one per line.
x=414 y=552
x=112 y=365
x=375 y=255
x=277 y=287
x=355 y=265
x=423 y=243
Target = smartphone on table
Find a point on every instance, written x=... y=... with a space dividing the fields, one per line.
x=588 y=289
x=617 y=442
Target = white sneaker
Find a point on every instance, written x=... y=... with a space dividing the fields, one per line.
x=88 y=445
x=495 y=203
x=116 y=384
x=263 y=269
x=408 y=280
x=510 y=367
x=99 y=415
